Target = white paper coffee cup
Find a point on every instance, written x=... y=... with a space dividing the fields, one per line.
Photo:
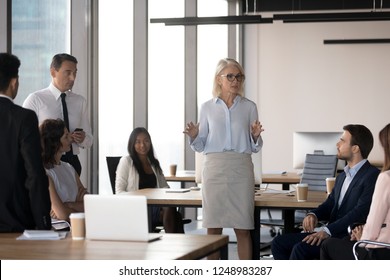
x=302 y=191
x=330 y=184
x=77 y=223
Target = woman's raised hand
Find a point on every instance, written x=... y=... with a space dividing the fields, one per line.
x=256 y=130
x=192 y=130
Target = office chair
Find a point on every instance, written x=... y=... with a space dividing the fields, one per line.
x=382 y=244
x=112 y=164
x=316 y=169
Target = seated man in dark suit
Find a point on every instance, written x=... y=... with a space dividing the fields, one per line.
x=348 y=203
x=24 y=190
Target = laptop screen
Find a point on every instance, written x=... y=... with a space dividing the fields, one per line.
x=116 y=217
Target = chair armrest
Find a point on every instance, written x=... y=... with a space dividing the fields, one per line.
x=383 y=244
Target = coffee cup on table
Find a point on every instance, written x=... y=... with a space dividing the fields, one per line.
x=172 y=169
x=330 y=184
x=302 y=191
x=77 y=223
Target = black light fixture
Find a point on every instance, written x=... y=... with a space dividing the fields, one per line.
x=332 y=17
x=357 y=41
x=248 y=19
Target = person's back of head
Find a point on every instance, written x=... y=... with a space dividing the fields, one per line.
x=51 y=132
x=9 y=69
x=362 y=137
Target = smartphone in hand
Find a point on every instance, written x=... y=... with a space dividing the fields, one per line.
x=78 y=129
x=352 y=227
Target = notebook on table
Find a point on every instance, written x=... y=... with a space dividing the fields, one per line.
x=177 y=190
x=117 y=217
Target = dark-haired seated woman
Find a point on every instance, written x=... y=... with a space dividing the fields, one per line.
x=141 y=169
x=66 y=190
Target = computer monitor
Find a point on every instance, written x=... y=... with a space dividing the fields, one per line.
x=312 y=143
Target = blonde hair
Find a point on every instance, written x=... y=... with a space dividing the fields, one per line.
x=222 y=64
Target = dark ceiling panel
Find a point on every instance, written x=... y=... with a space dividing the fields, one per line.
x=312 y=5
x=304 y=11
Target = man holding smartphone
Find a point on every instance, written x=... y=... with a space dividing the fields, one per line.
x=59 y=101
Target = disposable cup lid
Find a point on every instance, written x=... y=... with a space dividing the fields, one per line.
x=77 y=216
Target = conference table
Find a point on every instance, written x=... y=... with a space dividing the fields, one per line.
x=283 y=178
x=183 y=177
x=168 y=247
x=285 y=201
x=286 y=179
x=263 y=199
x=277 y=178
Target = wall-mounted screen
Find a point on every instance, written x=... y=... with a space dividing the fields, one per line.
x=315 y=142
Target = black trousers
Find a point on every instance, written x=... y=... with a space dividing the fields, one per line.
x=72 y=160
x=341 y=249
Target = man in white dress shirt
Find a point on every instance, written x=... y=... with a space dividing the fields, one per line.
x=48 y=104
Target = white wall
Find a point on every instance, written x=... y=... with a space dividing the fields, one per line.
x=300 y=84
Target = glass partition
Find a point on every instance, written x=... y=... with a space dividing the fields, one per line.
x=212 y=46
x=166 y=84
x=115 y=83
x=40 y=29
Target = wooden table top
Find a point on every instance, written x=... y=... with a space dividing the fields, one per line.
x=161 y=197
x=289 y=178
x=262 y=199
x=182 y=176
x=170 y=246
x=284 y=200
x=177 y=178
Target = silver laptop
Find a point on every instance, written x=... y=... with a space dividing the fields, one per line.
x=117 y=217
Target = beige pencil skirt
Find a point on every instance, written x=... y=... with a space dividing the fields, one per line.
x=228 y=191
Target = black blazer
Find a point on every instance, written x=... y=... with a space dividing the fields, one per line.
x=24 y=190
x=355 y=205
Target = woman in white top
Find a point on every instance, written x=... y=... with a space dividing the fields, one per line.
x=66 y=190
x=140 y=169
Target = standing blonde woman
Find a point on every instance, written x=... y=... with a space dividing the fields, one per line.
x=227 y=134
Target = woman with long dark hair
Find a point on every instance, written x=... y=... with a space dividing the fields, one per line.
x=140 y=169
x=66 y=190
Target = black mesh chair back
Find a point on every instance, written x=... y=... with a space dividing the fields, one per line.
x=112 y=163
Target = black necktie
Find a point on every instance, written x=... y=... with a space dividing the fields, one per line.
x=66 y=119
x=65 y=110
